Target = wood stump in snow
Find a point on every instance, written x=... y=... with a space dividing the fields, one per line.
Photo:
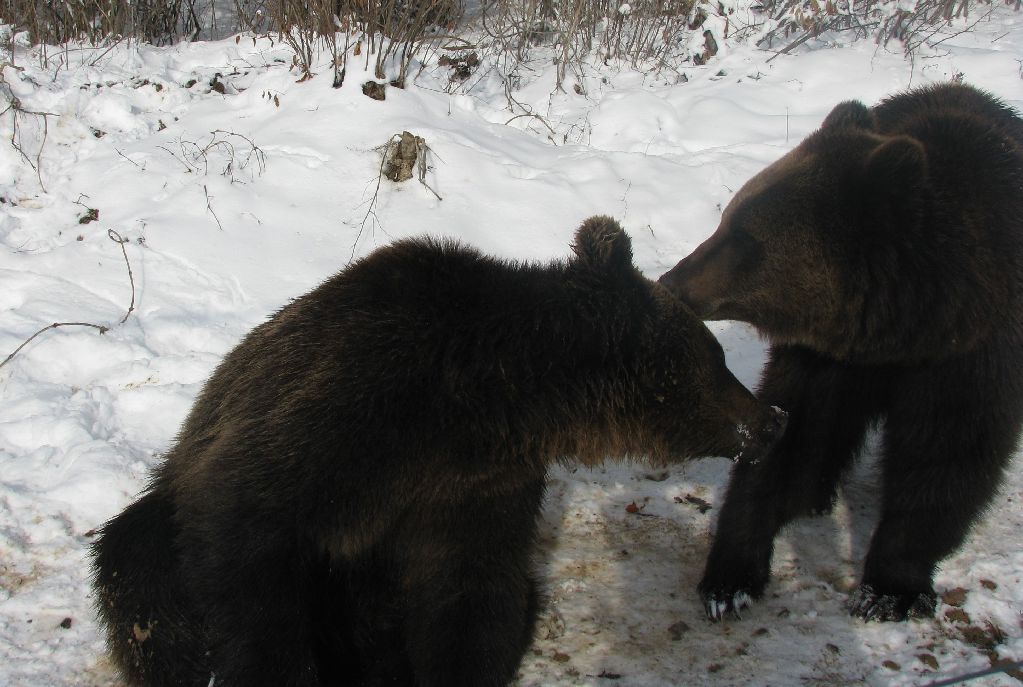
x=400 y=156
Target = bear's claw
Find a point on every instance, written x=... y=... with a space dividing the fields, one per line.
x=722 y=603
x=876 y=607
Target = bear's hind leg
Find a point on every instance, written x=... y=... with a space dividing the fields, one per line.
x=948 y=437
x=255 y=587
x=472 y=601
x=153 y=634
x=830 y=407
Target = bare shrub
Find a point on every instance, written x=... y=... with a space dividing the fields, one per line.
x=153 y=21
x=302 y=24
x=637 y=31
x=397 y=29
x=913 y=22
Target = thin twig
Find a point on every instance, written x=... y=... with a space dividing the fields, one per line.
x=101 y=328
x=253 y=150
x=533 y=115
x=993 y=670
x=422 y=149
x=188 y=168
x=210 y=207
x=116 y=238
x=16 y=108
x=813 y=33
x=142 y=167
x=376 y=194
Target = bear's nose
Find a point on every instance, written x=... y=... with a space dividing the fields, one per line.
x=759 y=441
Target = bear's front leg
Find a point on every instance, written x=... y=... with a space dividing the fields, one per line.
x=830 y=406
x=947 y=440
x=472 y=600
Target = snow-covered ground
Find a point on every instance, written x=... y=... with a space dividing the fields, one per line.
x=228 y=204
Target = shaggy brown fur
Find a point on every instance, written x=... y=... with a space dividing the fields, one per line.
x=883 y=259
x=352 y=500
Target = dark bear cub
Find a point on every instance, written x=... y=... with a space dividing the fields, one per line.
x=883 y=260
x=353 y=498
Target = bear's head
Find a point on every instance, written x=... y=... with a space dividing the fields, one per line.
x=689 y=396
x=805 y=245
x=674 y=382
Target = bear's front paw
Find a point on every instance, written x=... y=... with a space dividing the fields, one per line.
x=721 y=603
x=875 y=606
x=731 y=583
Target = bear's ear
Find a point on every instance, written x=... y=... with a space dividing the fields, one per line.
x=602 y=243
x=852 y=114
x=897 y=168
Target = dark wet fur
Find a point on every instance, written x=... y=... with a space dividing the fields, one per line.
x=883 y=259
x=353 y=498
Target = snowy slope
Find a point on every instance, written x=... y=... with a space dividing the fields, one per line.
x=231 y=203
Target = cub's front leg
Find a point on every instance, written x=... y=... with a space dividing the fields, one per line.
x=472 y=601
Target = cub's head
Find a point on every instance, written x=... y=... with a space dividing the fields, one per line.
x=674 y=383
x=796 y=247
x=691 y=400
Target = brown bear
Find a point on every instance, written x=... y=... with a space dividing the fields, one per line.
x=882 y=259
x=353 y=498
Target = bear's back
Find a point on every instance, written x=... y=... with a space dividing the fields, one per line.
x=421 y=334
x=905 y=112
x=973 y=144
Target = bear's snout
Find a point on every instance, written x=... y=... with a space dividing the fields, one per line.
x=681 y=282
x=758 y=440
x=700 y=279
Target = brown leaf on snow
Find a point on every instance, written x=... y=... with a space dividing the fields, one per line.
x=676 y=630
x=957 y=615
x=696 y=501
x=954 y=597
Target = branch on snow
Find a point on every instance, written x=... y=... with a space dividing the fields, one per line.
x=116 y=238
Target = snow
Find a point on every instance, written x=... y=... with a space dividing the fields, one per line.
x=231 y=204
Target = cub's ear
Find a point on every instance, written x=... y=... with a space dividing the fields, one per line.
x=852 y=114
x=602 y=243
x=897 y=168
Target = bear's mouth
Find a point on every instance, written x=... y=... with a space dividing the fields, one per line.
x=756 y=442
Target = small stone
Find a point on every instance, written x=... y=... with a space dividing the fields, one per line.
x=374 y=90
x=66 y=623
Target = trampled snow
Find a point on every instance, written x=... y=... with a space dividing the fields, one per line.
x=232 y=203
